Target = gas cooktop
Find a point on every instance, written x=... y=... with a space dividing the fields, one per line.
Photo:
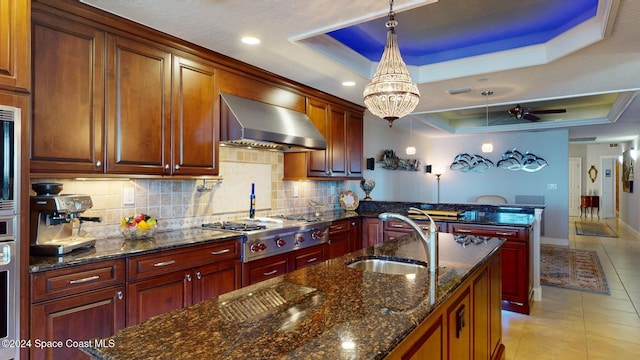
x=235 y=226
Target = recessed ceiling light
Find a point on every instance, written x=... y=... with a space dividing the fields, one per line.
x=348 y=83
x=251 y=40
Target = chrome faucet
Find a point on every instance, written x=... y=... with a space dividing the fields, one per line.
x=430 y=243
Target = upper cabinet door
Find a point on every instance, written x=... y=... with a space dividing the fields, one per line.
x=195 y=121
x=14 y=37
x=338 y=142
x=138 y=108
x=67 y=125
x=318 y=112
x=355 y=144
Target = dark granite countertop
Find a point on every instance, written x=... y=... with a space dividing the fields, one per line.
x=325 y=311
x=471 y=213
x=114 y=248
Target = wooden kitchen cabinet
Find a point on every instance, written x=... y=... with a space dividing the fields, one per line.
x=371 y=232
x=517 y=271
x=63 y=300
x=395 y=228
x=468 y=325
x=134 y=107
x=264 y=269
x=195 y=122
x=159 y=283
x=14 y=55
x=67 y=124
x=344 y=237
x=342 y=159
x=138 y=108
x=308 y=256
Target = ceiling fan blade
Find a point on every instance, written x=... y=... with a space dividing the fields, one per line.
x=550 y=111
x=529 y=116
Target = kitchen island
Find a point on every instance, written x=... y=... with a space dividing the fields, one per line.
x=332 y=311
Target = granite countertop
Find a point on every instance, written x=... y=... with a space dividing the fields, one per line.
x=119 y=247
x=114 y=248
x=325 y=311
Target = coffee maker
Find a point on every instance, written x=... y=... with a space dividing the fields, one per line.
x=53 y=217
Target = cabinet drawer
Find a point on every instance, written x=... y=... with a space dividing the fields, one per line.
x=396 y=225
x=308 y=257
x=145 y=266
x=509 y=233
x=76 y=279
x=339 y=227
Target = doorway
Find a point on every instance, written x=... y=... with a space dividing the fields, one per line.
x=575 y=185
x=608 y=187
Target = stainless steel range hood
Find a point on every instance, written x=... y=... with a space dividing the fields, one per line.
x=250 y=123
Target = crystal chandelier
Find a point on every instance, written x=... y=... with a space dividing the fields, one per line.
x=391 y=93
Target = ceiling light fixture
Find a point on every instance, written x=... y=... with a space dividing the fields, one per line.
x=487 y=146
x=411 y=150
x=391 y=94
x=251 y=40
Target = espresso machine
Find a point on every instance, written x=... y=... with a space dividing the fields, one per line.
x=53 y=220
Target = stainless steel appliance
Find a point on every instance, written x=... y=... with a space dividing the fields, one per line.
x=264 y=237
x=52 y=223
x=9 y=232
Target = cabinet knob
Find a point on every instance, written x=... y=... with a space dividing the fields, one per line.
x=177 y=167
x=353 y=223
x=199 y=275
x=166 y=166
x=120 y=295
x=188 y=277
x=98 y=163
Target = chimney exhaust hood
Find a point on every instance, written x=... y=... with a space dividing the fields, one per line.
x=251 y=123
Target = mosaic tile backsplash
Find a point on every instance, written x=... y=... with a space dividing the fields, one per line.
x=178 y=203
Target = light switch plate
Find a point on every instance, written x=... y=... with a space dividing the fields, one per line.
x=129 y=196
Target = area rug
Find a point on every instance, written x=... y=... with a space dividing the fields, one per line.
x=572 y=269
x=594 y=229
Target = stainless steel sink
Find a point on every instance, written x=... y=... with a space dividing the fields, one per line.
x=387 y=266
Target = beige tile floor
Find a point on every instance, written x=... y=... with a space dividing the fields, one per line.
x=569 y=324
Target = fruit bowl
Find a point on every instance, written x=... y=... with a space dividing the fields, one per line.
x=139 y=226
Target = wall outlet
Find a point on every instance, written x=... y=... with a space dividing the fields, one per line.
x=295 y=190
x=129 y=196
x=552 y=186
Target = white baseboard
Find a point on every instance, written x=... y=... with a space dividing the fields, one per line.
x=554 y=241
x=634 y=231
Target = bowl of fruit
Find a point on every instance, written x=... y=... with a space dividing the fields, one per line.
x=139 y=226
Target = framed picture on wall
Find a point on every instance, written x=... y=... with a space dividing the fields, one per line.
x=627 y=172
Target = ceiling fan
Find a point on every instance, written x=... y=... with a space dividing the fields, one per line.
x=526 y=113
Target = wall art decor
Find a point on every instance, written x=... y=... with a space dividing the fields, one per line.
x=593 y=173
x=627 y=172
x=514 y=160
x=465 y=162
x=389 y=160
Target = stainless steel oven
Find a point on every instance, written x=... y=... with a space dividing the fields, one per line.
x=9 y=232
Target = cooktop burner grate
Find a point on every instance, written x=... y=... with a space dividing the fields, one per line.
x=227 y=225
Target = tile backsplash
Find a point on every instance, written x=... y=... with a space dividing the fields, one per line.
x=178 y=203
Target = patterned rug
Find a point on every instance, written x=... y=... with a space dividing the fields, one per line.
x=594 y=229
x=572 y=269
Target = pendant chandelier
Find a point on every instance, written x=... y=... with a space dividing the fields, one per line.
x=391 y=93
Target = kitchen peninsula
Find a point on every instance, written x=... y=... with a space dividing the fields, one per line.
x=333 y=311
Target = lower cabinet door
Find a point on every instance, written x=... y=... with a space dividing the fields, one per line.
x=215 y=279
x=158 y=295
x=514 y=274
x=68 y=320
x=459 y=327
